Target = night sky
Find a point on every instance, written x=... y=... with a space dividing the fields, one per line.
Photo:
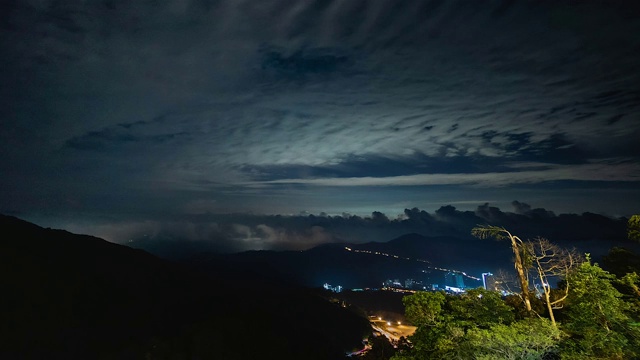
x=121 y=118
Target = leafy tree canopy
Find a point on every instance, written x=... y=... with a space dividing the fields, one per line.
x=598 y=318
x=424 y=308
x=479 y=308
x=525 y=339
x=633 y=228
x=620 y=261
x=443 y=321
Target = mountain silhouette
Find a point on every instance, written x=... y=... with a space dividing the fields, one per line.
x=78 y=297
x=411 y=256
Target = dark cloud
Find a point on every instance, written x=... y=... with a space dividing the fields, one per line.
x=491 y=214
x=303 y=62
x=161 y=109
x=121 y=135
x=525 y=209
x=238 y=232
x=521 y=208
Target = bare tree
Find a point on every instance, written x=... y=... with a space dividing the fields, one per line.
x=519 y=252
x=551 y=261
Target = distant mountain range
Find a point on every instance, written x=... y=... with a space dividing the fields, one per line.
x=79 y=297
x=361 y=266
x=228 y=233
x=410 y=256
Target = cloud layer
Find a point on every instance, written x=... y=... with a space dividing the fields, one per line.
x=158 y=109
x=238 y=232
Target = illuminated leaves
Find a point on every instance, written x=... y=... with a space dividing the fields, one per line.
x=633 y=228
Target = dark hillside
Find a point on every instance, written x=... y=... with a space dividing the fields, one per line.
x=73 y=296
x=334 y=264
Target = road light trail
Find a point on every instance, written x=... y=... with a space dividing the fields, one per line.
x=379 y=253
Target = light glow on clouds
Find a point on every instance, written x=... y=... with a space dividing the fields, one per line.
x=184 y=107
x=545 y=172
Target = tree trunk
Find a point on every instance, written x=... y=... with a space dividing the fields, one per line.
x=548 y=301
x=524 y=284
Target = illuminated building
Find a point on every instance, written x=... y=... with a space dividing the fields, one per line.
x=453 y=279
x=336 y=289
x=488 y=281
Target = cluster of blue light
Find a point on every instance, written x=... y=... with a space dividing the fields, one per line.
x=336 y=288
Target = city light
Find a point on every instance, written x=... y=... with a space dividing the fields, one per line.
x=420 y=260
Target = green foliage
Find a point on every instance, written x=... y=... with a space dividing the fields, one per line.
x=597 y=318
x=439 y=341
x=620 y=261
x=489 y=231
x=479 y=325
x=527 y=339
x=423 y=308
x=597 y=321
x=479 y=308
x=633 y=228
x=520 y=312
x=629 y=286
x=631 y=283
x=443 y=321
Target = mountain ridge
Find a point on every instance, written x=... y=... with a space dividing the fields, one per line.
x=77 y=297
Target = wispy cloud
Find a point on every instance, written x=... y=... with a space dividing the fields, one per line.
x=102 y=103
x=625 y=172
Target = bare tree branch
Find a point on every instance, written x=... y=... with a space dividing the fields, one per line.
x=551 y=261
